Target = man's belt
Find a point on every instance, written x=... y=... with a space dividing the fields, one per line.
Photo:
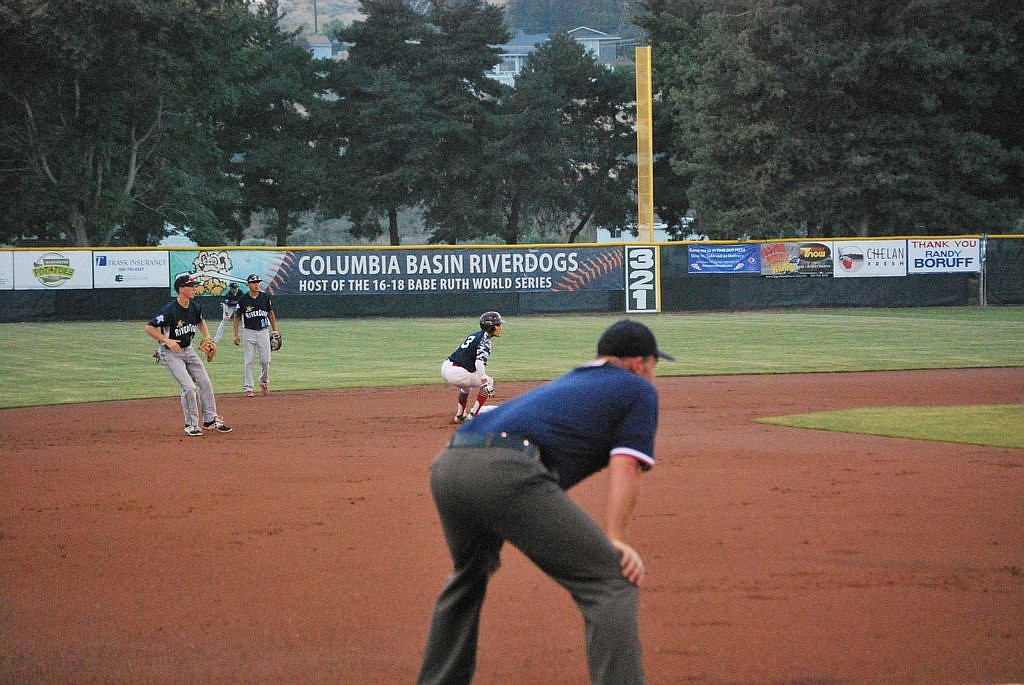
x=503 y=440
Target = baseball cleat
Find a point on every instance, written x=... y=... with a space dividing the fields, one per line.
x=249 y=393
x=193 y=431
x=218 y=425
x=459 y=419
x=265 y=388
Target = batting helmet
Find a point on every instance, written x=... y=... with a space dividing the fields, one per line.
x=489 y=321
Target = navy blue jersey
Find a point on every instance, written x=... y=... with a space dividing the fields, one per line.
x=255 y=311
x=232 y=297
x=177 y=322
x=578 y=420
x=476 y=348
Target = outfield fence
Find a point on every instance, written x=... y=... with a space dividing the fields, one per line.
x=69 y=284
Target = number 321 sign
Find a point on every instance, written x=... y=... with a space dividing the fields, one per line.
x=642 y=291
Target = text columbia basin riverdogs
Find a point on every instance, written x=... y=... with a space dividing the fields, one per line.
x=440 y=271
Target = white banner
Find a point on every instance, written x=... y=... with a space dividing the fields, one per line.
x=6 y=270
x=53 y=270
x=131 y=269
x=867 y=258
x=944 y=255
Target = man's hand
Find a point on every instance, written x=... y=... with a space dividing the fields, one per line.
x=631 y=563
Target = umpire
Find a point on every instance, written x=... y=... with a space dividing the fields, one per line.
x=503 y=476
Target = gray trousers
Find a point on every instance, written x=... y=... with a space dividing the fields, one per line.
x=255 y=343
x=188 y=369
x=227 y=312
x=488 y=495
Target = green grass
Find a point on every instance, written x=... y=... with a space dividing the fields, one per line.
x=54 y=363
x=991 y=425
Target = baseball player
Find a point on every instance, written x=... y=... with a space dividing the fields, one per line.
x=256 y=318
x=466 y=367
x=504 y=476
x=229 y=305
x=173 y=328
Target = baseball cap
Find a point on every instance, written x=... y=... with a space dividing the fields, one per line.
x=185 y=280
x=234 y=286
x=628 y=338
x=253 y=278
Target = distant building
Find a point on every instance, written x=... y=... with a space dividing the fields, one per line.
x=319 y=47
x=628 y=234
x=514 y=54
x=607 y=50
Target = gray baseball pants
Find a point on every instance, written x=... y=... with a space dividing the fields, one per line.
x=487 y=495
x=255 y=343
x=188 y=369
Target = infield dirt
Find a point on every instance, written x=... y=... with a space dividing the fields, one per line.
x=303 y=547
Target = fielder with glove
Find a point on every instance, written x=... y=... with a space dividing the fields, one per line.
x=466 y=367
x=256 y=330
x=174 y=327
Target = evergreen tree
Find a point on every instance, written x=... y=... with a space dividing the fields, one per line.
x=461 y=169
x=871 y=119
x=272 y=138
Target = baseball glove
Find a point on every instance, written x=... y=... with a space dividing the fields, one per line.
x=275 y=341
x=209 y=347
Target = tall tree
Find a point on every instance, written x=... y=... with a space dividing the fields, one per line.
x=573 y=139
x=382 y=119
x=272 y=137
x=104 y=104
x=823 y=116
x=460 y=171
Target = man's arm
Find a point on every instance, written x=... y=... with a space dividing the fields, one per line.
x=623 y=487
x=155 y=333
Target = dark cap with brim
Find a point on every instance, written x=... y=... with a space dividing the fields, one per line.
x=185 y=280
x=628 y=338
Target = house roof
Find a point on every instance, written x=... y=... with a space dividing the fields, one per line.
x=587 y=33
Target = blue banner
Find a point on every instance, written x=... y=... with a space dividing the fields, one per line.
x=724 y=259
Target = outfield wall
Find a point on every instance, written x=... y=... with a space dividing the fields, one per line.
x=57 y=284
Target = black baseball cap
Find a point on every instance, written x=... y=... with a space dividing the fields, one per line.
x=234 y=286
x=628 y=338
x=253 y=278
x=185 y=280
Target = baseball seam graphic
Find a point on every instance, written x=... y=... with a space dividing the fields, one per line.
x=590 y=270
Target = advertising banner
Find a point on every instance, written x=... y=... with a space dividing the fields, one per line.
x=944 y=255
x=724 y=259
x=6 y=270
x=796 y=259
x=53 y=270
x=388 y=271
x=867 y=258
x=130 y=269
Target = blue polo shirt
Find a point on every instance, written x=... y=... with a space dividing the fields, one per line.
x=580 y=419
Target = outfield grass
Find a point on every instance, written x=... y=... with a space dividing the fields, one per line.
x=53 y=363
x=999 y=425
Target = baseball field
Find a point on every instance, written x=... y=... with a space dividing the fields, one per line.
x=838 y=499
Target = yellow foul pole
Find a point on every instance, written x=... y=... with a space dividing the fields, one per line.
x=644 y=146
